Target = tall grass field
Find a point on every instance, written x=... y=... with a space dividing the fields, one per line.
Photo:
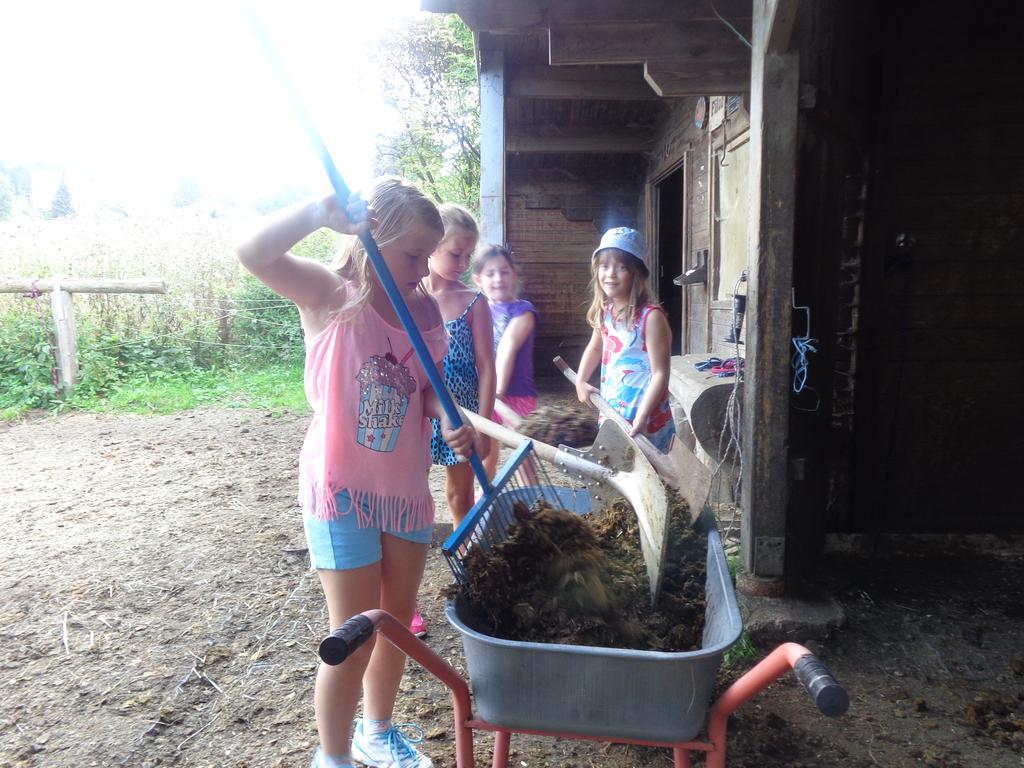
x=217 y=337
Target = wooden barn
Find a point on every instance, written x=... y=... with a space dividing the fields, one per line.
x=855 y=169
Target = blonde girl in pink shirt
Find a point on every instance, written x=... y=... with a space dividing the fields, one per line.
x=367 y=509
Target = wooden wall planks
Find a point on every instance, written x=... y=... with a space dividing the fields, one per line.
x=941 y=407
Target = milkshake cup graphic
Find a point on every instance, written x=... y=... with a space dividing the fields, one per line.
x=384 y=389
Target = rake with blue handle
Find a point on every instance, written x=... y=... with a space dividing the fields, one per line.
x=509 y=486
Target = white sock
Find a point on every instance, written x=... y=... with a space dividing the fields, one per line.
x=376 y=726
x=323 y=760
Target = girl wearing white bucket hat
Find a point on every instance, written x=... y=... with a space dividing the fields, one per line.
x=631 y=338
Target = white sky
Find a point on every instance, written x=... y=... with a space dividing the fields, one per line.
x=142 y=94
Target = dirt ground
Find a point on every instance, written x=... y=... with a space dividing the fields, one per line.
x=158 y=609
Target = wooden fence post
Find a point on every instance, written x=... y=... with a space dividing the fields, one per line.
x=67 y=339
x=64 y=311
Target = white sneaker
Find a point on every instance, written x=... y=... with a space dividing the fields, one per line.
x=390 y=749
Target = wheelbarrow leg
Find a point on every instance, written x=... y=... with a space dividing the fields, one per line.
x=681 y=757
x=502 y=740
x=463 y=741
x=346 y=640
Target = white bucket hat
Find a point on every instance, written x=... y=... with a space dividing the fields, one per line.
x=625 y=239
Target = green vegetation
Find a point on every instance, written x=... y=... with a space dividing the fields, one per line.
x=274 y=387
x=429 y=73
x=155 y=374
x=217 y=337
x=734 y=562
x=741 y=652
x=6 y=196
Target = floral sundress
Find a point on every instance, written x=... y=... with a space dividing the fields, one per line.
x=626 y=375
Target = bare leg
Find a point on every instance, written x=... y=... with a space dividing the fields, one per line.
x=491 y=459
x=336 y=694
x=458 y=488
x=401 y=572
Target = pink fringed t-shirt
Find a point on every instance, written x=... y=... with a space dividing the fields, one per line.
x=369 y=436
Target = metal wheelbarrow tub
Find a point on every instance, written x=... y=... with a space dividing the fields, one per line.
x=604 y=692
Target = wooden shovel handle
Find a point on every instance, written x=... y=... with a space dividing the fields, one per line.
x=509 y=437
x=549 y=453
x=508 y=416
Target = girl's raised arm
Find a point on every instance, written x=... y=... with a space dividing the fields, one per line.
x=517 y=332
x=483 y=350
x=588 y=364
x=658 y=337
x=265 y=253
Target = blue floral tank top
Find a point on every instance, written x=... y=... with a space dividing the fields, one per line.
x=461 y=377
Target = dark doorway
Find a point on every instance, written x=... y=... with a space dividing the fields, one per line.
x=939 y=423
x=670 y=253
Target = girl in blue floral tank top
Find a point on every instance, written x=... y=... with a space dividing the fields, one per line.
x=461 y=377
x=469 y=368
x=631 y=339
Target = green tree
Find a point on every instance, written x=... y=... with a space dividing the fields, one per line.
x=21 y=178
x=6 y=195
x=429 y=76
x=61 y=205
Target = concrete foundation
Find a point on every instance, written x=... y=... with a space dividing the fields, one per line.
x=772 y=620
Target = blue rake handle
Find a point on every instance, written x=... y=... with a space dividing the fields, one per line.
x=341 y=191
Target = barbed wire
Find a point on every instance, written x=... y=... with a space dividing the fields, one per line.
x=169 y=335
x=266 y=303
x=247 y=313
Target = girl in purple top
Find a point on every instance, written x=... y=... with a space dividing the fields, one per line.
x=515 y=321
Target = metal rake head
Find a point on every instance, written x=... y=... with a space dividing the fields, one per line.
x=522 y=480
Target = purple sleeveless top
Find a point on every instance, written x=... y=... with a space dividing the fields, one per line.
x=502 y=313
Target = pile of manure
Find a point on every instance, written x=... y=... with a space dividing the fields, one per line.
x=572 y=424
x=564 y=578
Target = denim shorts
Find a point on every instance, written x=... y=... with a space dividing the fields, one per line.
x=341 y=545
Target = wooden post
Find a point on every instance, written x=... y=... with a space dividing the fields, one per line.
x=67 y=339
x=224 y=321
x=64 y=311
x=492 y=142
x=774 y=93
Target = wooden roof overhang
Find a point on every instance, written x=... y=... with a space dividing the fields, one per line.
x=591 y=75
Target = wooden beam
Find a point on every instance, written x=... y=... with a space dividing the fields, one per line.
x=704 y=399
x=774 y=95
x=780 y=17
x=613 y=83
x=83 y=285
x=575 y=139
x=509 y=16
x=706 y=41
x=439 y=6
x=674 y=77
x=492 y=142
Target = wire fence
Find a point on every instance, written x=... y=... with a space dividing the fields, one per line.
x=126 y=335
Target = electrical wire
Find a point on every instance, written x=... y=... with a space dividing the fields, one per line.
x=800 y=363
x=730 y=26
x=219 y=318
x=802 y=346
x=731 y=424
